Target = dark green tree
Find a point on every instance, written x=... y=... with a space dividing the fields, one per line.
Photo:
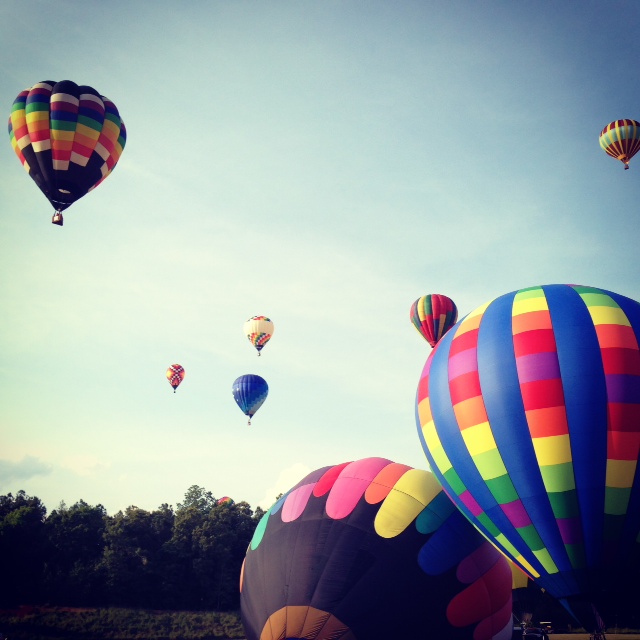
x=22 y=548
x=134 y=558
x=209 y=543
x=73 y=572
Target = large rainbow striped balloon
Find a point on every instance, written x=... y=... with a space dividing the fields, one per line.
x=372 y=550
x=529 y=415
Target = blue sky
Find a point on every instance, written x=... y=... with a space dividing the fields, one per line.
x=322 y=163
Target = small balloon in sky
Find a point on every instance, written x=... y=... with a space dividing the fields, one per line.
x=433 y=315
x=225 y=500
x=68 y=138
x=621 y=140
x=259 y=330
x=250 y=391
x=175 y=375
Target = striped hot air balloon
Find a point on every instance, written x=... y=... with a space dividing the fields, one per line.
x=69 y=138
x=621 y=140
x=433 y=315
x=529 y=415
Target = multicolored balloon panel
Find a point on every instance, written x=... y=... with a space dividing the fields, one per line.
x=621 y=140
x=175 y=375
x=372 y=549
x=68 y=137
x=259 y=330
x=433 y=315
x=250 y=391
x=529 y=415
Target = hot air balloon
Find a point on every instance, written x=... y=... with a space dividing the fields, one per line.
x=175 y=375
x=621 y=140
x=68 y=137
x=433 y=315
x=528 y=411
x=372 y=549
x=225 y=500
x=250 y=391
x=259 y=330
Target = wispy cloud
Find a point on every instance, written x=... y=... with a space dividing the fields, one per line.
x=25 y=469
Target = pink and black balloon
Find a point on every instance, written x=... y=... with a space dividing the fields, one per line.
x=372 y=550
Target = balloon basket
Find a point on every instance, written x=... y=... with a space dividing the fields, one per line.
x=57 y=218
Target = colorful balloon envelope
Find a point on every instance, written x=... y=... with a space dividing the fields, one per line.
x=529 y=414
x=69 y=138
x=175 y=375
x=433 y=315
x=259 y=330
x=225 y=500
x=250 y=392
x=621 y=140
x=372 y=550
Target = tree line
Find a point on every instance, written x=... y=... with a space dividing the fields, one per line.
x=188 y=558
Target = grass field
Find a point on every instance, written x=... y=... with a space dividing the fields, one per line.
x=585 y=636
x=64 y=623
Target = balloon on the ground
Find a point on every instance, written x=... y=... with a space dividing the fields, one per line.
x=175 y=375
x=250 y=391
x=368 y=550
x=68 y=137
x=528 y=411
x=621 y=140
x=433 y=315
x=259 y=330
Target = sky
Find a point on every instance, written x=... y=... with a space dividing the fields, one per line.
x=321 y=162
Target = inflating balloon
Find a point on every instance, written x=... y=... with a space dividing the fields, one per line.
x=433 y=315
x=529 y=414
x=68 y=137
x=250 y=391
x=175 y=375
x=621 y=140
x=372 y=550
x=259 y=330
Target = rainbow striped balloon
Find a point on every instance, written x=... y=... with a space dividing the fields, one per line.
x=433 y=315
x=68 y=138
x=529 y=414
x=621 y=140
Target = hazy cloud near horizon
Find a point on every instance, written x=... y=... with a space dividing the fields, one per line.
x=25 y=469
